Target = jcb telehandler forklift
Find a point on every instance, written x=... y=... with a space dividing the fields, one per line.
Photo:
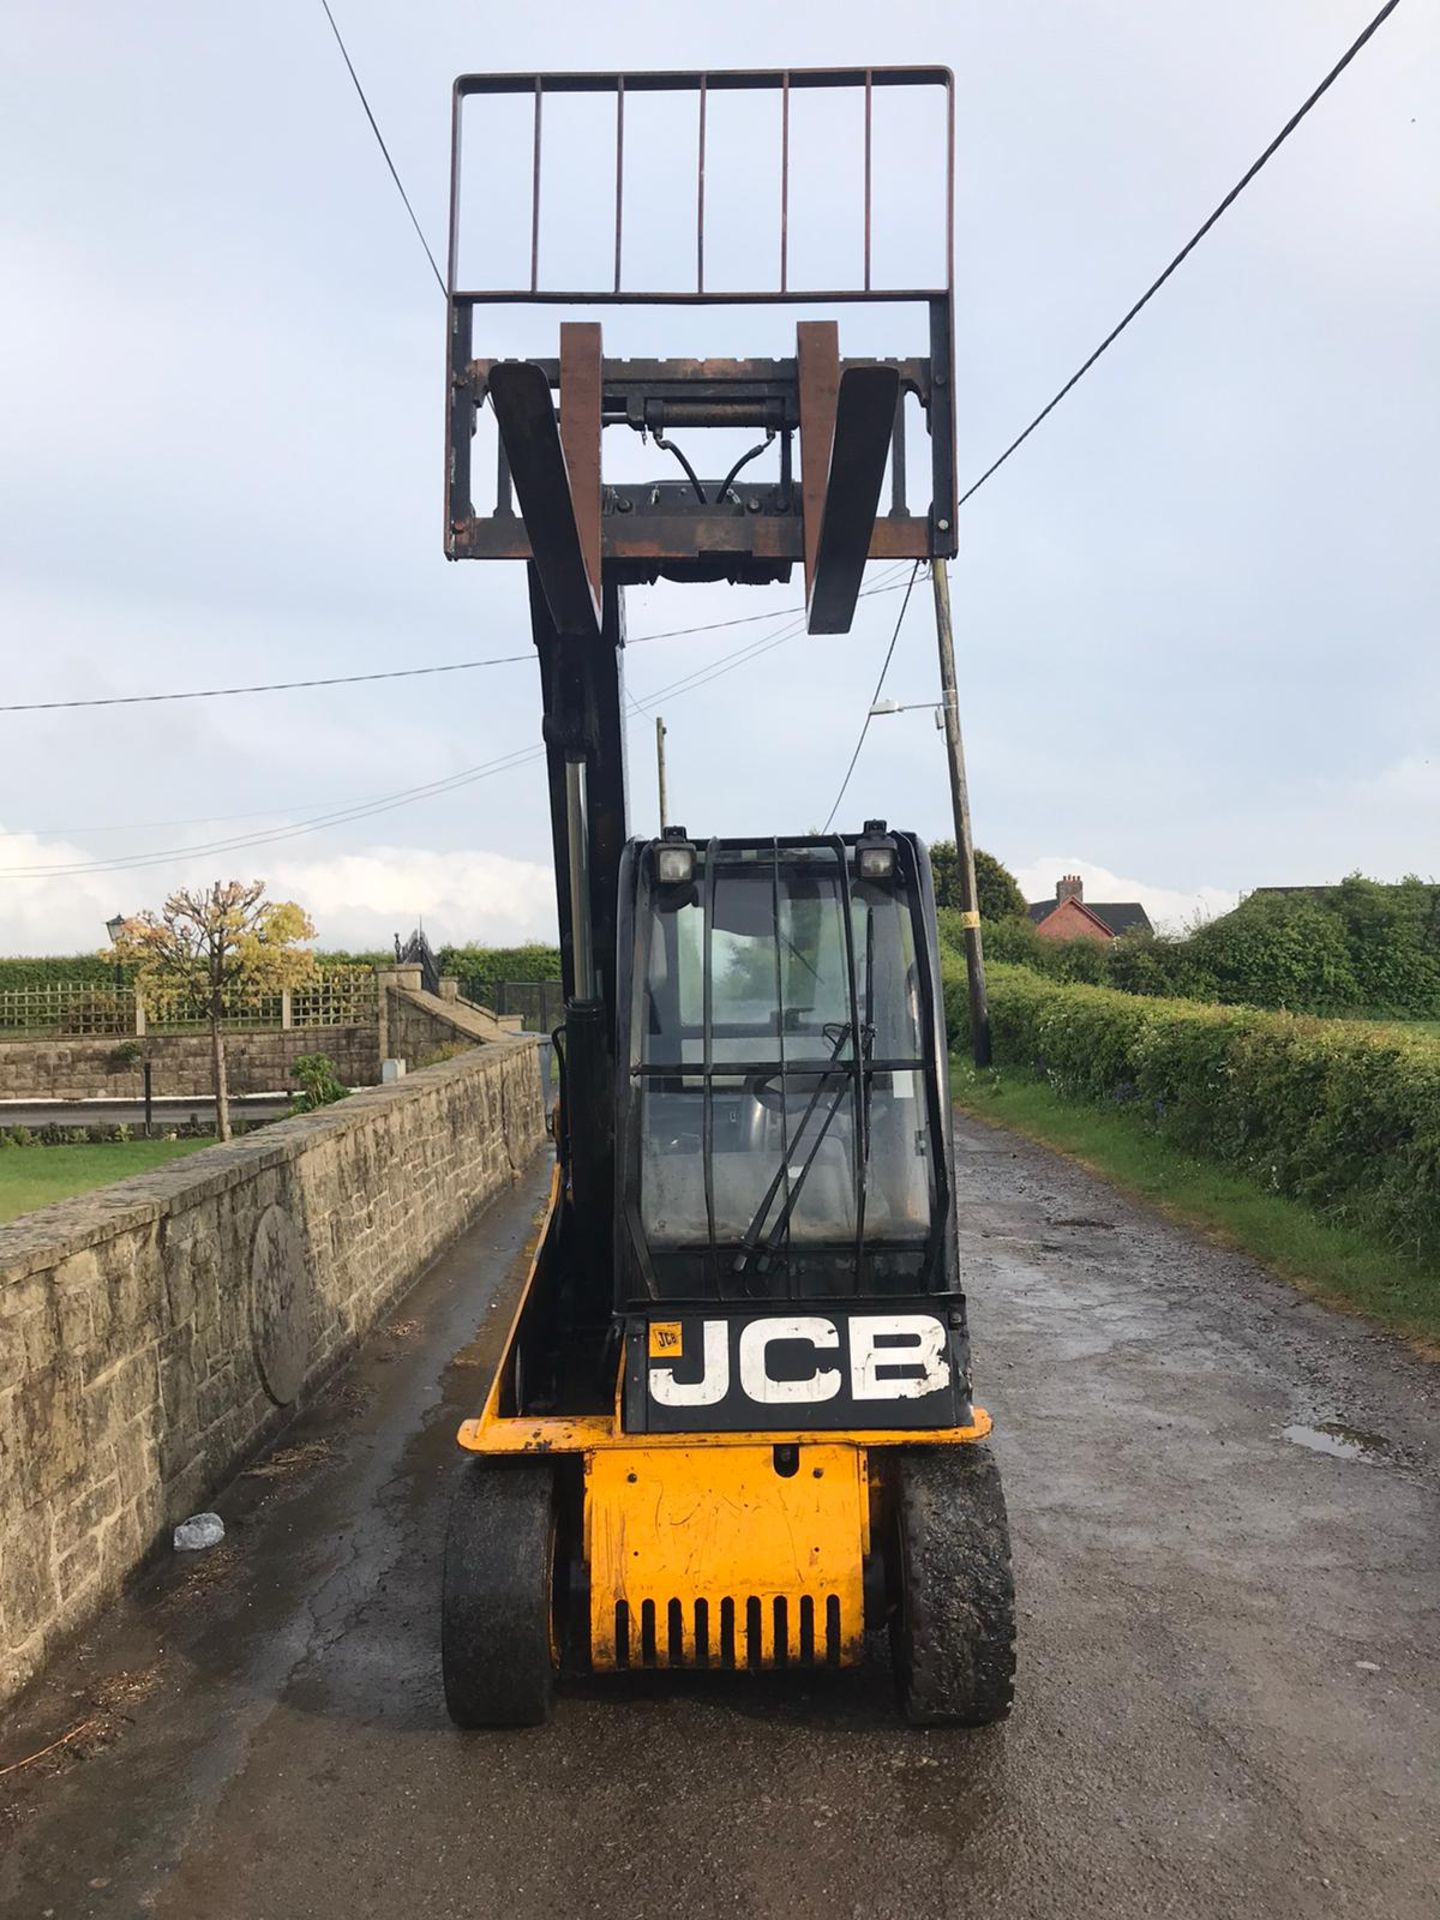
x=732 y=1426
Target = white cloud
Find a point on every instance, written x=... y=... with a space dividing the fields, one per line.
x=360 y=899
x=1171 y=909
x=356 y=899
x=62 y=913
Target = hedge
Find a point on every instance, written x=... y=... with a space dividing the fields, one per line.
x=72 y=969
x=1343 y=1117
x=91 y=970
x=480 y=969
x=1358 y=947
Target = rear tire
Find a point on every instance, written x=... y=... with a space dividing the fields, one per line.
x=953 y=1630
x=497 y=1627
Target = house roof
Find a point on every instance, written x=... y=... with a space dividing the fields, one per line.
x=1120 y=916
x=1321 y=892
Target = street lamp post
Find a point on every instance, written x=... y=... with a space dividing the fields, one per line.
x=113 y=927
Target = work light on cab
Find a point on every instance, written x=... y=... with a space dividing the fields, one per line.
x=674 y=859
x=875 y=852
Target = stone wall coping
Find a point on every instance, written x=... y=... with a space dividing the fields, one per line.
x=51 y=1234
x=475 y=1023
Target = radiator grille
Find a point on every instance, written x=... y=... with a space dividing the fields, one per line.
x=755 y=1631
x=718 y=1557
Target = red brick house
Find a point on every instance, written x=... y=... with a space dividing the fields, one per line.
x=1070 y=916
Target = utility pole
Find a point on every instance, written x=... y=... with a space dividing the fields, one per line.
x=964 y=843
x=660 y=763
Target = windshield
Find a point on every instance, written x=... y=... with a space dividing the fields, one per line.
x=783 y=1119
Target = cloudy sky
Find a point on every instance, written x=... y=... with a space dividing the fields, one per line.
x=1196 y=614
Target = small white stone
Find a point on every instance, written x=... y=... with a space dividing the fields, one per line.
x=200 y=1530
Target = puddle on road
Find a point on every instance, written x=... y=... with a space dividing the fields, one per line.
x=1341 y=1442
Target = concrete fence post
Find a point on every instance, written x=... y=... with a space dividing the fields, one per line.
x=139 y=1015
x=384 y=976
x=287 y=1018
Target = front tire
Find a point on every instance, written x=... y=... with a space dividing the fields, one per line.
x=953 y=1629
x=497 y=1626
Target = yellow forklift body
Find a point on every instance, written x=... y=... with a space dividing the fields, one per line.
x=725 y=1550
x=591 y=1433
x=704 y=1556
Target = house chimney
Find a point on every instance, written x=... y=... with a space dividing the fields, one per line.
x=1072 y=887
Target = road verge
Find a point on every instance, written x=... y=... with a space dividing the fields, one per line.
x=1340 y=1266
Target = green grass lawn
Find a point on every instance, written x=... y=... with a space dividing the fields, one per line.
x=1336 y=1264
x=32 y=1177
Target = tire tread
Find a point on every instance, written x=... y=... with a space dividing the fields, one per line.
x=496 y=1626
x=954 y=1633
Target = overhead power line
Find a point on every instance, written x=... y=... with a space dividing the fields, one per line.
x=385 y=803
x=745 y=619
x=406 y=796
x=1115 y=332
x=889 y=655
x=645 y=703
x=393 y=673
x=375 y=129
x=266 y=686
x=1190 y=245
x=278 y=812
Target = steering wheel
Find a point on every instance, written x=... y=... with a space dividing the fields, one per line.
x=760 y=1088
x=805 y=1080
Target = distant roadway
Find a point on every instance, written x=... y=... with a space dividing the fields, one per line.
x=171 y=1111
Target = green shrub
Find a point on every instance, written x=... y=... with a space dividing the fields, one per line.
x=998 y=892
x=1358 y=947
x=319 y=1082
x=480 y=969
x=1343 y=1117
x=1010 y=939
x=75 y=969
x=1290 y=953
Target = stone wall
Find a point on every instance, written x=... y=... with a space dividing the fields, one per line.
x=155 y=1333
x=417 y=1025
x=180 y=1063
x=410 y=1025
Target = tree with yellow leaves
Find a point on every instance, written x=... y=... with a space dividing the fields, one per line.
x=211 y=943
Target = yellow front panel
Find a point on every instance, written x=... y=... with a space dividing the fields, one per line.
x=705 y=1556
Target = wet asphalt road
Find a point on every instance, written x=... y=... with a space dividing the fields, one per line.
x=1229 y=1697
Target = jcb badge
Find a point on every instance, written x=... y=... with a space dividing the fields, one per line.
x=823 y=1370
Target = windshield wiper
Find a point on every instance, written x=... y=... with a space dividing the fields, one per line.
x=752 y=1234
